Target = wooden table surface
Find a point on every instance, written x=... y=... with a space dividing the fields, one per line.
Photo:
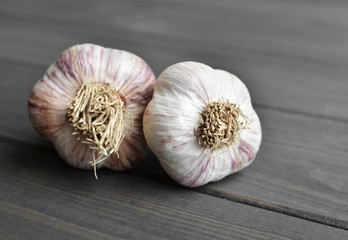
x=292 y=55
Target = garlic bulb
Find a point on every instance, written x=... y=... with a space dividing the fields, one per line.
x=201 y=124
x=90 y=104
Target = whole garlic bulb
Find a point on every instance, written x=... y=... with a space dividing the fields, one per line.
x=90 y=104
x=201 y=124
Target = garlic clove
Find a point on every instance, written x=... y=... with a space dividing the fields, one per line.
x=47 y=108
x=173 y=120
x=73 y=151
x=130 y=150
x=99 y=85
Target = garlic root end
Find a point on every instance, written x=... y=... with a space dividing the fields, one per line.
x=97 y=114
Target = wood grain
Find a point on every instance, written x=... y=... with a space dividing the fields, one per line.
x=297 y=51
x=41 y=197
x=300 y=166
x=291 y=55
x=265 y=26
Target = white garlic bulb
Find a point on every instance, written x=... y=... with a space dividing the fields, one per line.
x=201 y=124
x=90 y=104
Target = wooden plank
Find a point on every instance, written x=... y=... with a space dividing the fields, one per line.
x=292 y=28
x=41 y=197
x=303 y=159
x=305 y=70
x=302 y=163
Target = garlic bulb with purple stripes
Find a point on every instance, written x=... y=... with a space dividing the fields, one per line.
x=90 y=104
x=201 y=124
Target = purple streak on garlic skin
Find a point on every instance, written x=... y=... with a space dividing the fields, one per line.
x=203 y=175
x=181 y=144
x=198 y=174
x=65 y=65
x=74 y=152
x=197 y=181
x=248 y=150
x=47 y=109
x=165 y=116
x=233 y=164
x=48 y=101
x=182 y=92
x=129 y=151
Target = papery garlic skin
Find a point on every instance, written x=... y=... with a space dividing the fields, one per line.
x=173 y=116
x=128 y=73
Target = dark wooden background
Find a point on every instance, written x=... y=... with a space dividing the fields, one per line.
x=292 y=55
